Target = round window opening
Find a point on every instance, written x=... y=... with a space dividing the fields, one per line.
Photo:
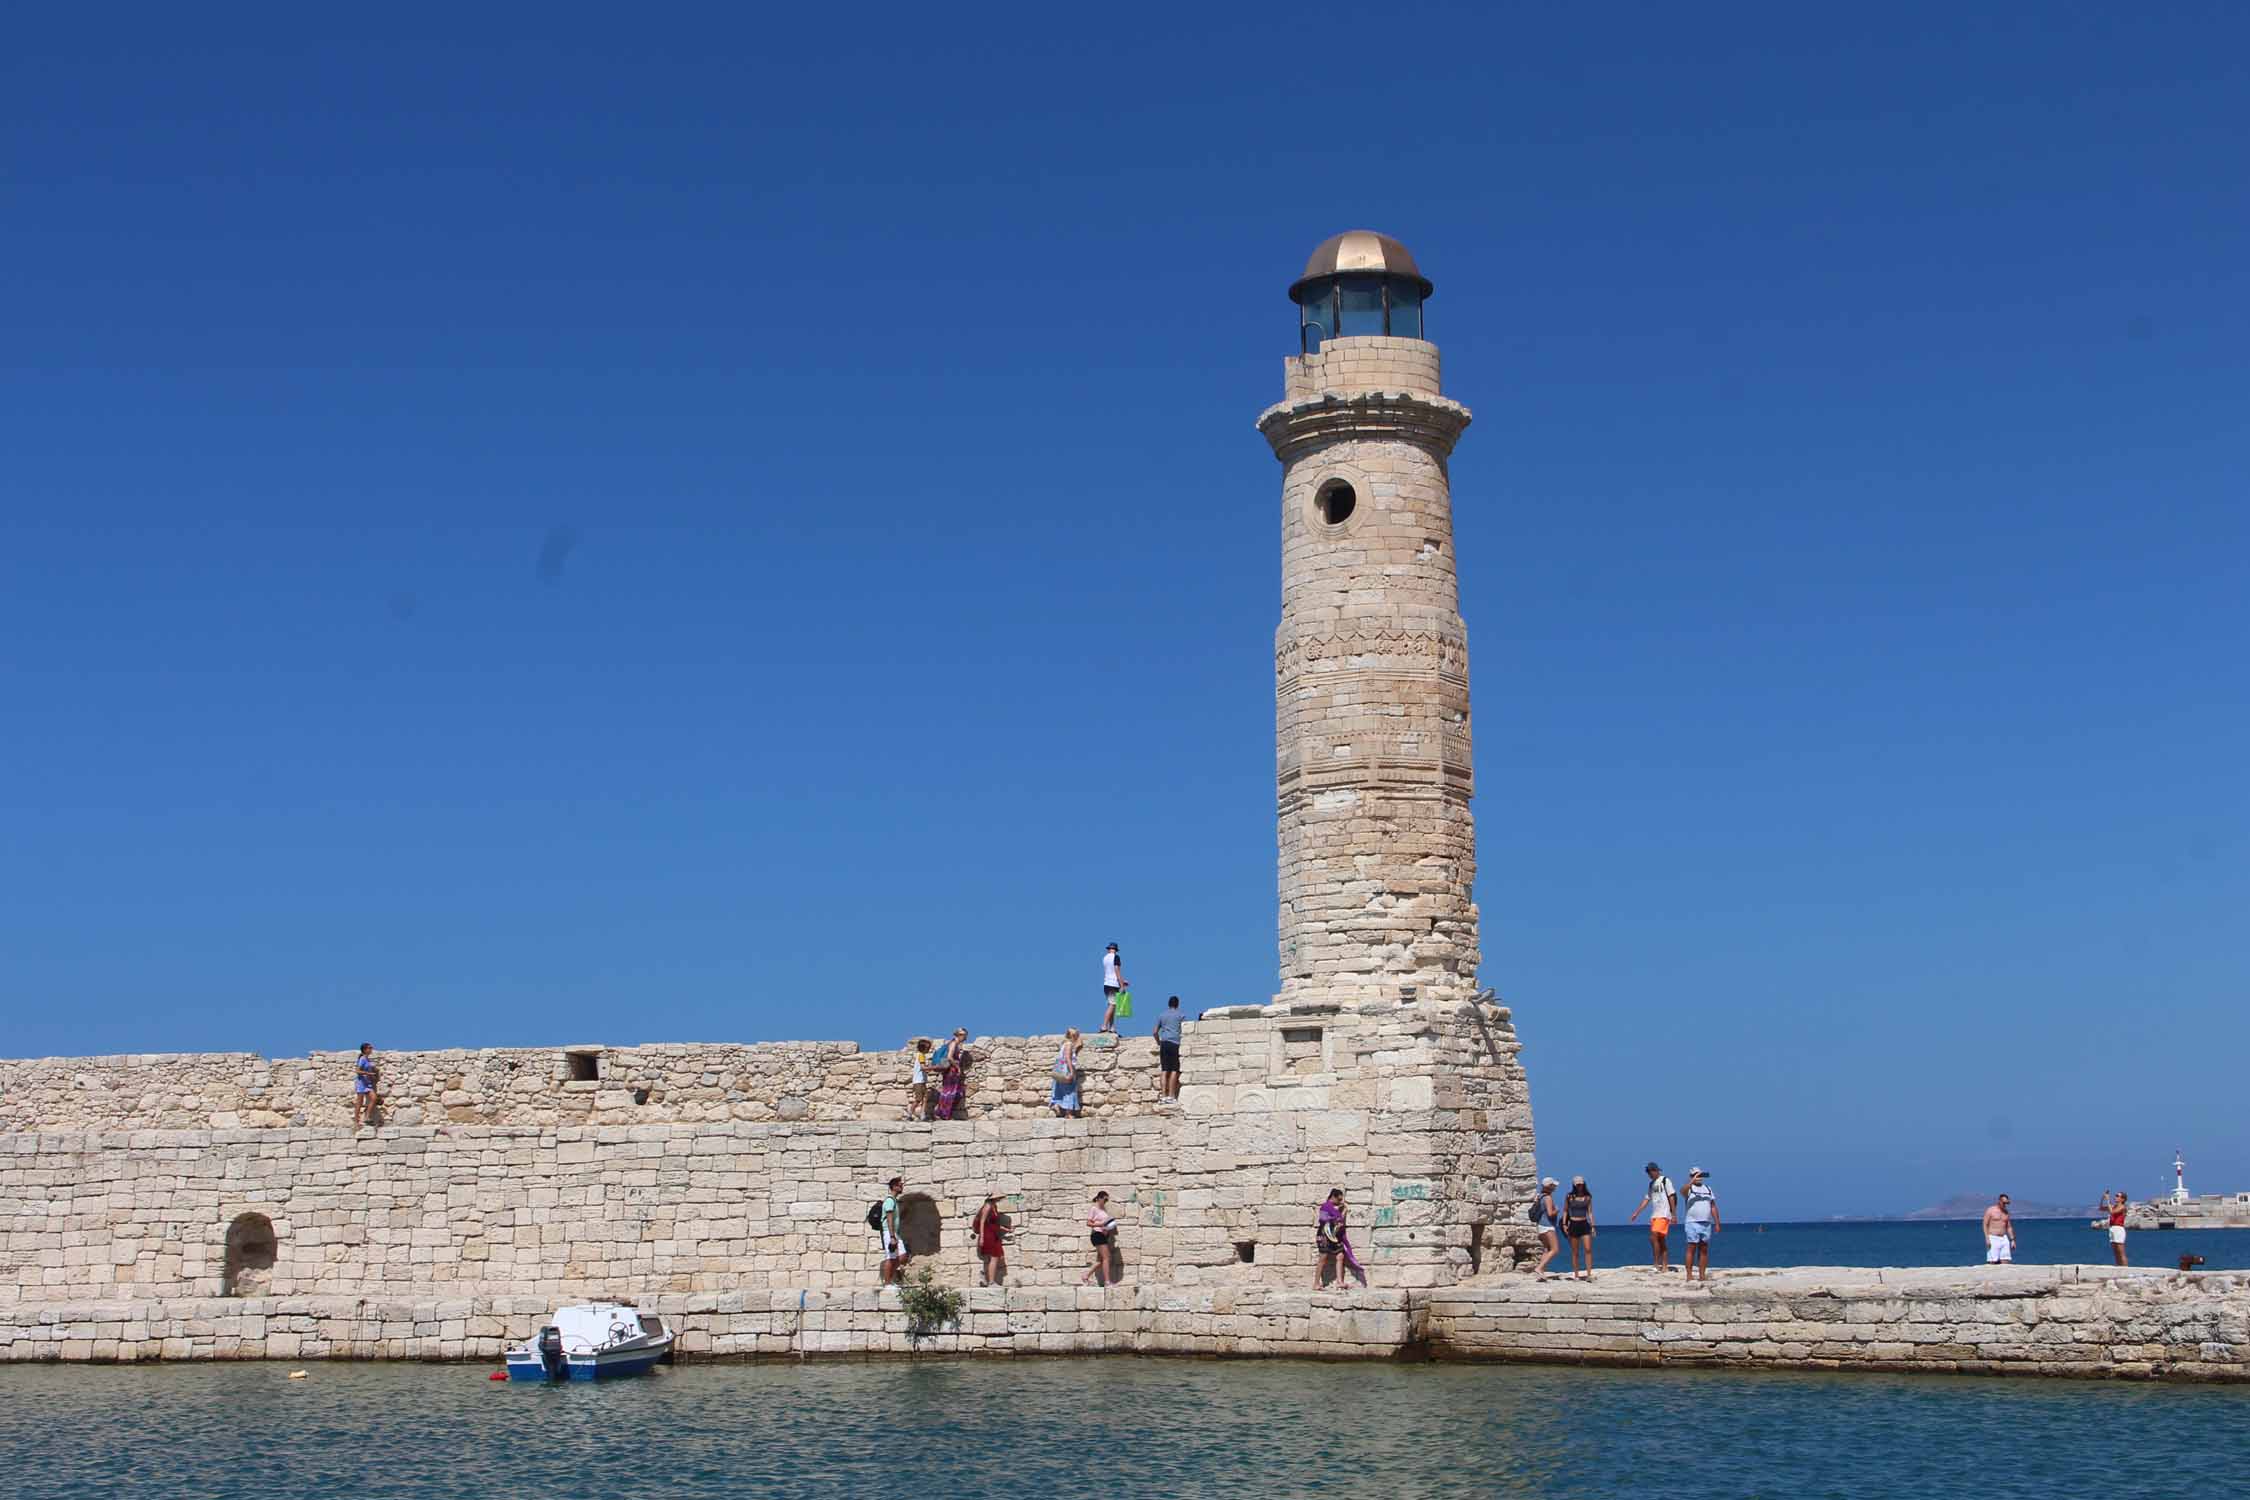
x=1334 y=502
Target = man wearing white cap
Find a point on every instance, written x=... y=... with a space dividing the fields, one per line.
x=1702 y=1222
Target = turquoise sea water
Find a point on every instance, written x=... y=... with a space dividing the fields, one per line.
x=1045 y=1428
x=1870 y=1243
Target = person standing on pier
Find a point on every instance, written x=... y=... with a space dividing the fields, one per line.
x=1663 y=1206
x=2116 y=1207
x=1578 y=1228
x=1701 y=1223
x=1544 y=1215
x=1999 y=1234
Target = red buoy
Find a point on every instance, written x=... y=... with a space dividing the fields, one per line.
x=497 y=1375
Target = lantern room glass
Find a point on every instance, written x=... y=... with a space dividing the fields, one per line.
x=1317 y=315
x=1357 y=307
x=1360 y=308
x=1405 y=310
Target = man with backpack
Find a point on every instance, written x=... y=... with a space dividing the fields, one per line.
x=882 y=1217
x=1663 y=1206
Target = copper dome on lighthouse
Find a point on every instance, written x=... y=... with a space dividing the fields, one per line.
x=1361 y=252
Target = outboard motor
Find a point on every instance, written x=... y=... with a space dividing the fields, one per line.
x=551 y=1355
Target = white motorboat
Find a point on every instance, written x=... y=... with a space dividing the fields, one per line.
x=593 y=1341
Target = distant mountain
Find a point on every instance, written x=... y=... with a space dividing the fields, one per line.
x=1973 y=1205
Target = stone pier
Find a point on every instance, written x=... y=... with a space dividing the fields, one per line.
x=2073 y=1321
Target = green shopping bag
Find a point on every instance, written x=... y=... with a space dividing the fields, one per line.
x=1125 y=1003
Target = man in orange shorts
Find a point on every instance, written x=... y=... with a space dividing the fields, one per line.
x=1663 y=1207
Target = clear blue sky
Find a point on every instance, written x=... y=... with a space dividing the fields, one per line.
x=746 y=523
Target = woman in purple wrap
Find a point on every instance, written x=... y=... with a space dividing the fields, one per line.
x=953 y=1079
x=1332 y=1241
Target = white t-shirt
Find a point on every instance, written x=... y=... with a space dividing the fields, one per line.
x=1113 y=972
x=1660 y=1197
x=1700 y=1201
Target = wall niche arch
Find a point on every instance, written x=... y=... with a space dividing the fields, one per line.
x=919 y=1223
x=252 y=1249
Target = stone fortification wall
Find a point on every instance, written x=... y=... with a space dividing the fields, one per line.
x=582 y=1084
x=151 y=1089
x=637 y=1085
x=1419 y=1112
x=776 y=1325
x=2033 y=1320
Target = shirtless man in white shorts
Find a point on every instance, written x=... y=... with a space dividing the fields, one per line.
x=1999 y=1234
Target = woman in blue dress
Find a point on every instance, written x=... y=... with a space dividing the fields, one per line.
x=365 y=1077
x=1065 y=1096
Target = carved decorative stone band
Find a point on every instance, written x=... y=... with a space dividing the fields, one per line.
x=1431 y=421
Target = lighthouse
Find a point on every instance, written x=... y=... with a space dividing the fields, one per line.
x=1377 y=846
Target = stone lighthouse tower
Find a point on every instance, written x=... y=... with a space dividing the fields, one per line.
x=1371 y=662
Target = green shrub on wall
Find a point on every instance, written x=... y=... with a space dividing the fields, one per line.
x=929 y=1307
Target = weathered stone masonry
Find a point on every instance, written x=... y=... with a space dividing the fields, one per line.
x=1371 y=681
x=448 y=1237
x=2073 y=1321
x=1418 y=1111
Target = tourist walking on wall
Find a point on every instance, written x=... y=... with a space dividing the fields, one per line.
x=1168 y=1050
x=941 y=1058
x=1701 y=1223
x=918 y=1081
x=1663 y=1206
x=1578 y=1228
x=1113 y=980
x=953 y=1077
x=1332 y=1243
x=990 y=1226
x=1101 y=1226
x=895 y=1253
x=1999 y=1234
x=1064 y=1098
x=1544 y=1214
x=367 y=1079
x=2115 y=1208
x=948 y=1047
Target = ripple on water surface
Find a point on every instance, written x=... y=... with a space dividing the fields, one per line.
x=1121 y=1426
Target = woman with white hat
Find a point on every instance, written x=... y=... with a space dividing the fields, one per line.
x=1543 y=1214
